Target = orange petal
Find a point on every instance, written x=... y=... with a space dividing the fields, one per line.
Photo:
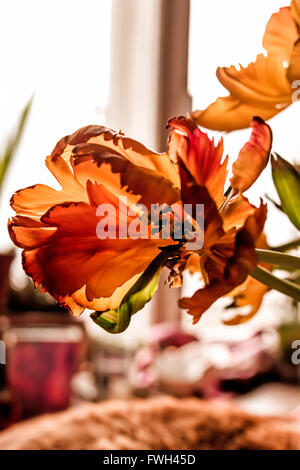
x=36 y=200
x=250 y=293
x=261 y=83
x=199 y=154
x=295 y=11
x=76 y=257
x=215 y=257
x=218 y=245
x=255 y=222
x=121 y=177
x=203 y=299
x=253 y=157
x=229 y=114
x=193 y=263
x=116 y=143
x=239 y=265
x=63 y=272
x=237 y=268
x=57 y=229
x=158 y=169
x=293 y=71
x=260 y=89
x=193 y=194
x=29 y=233
x=70 y=304
x=236 y=211
x=104 y=303
x=280 y=34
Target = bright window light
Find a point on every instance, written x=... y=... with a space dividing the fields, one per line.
x=60 y=51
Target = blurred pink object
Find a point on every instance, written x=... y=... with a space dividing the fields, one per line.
x=175 y=362
x=142 y=375
x=296 y=412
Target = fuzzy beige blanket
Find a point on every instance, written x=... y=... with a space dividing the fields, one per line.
x=157 y=423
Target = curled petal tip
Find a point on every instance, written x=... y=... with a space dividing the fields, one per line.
x=182 y=123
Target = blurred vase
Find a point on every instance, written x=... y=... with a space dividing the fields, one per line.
x=9 y=406
x=5 y=262
x=43 y=353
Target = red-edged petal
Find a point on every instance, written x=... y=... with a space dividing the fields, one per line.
x=253 y=157
x=29 y=233
x=199 y=154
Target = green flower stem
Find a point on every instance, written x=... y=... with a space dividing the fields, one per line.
x=287 y=246
x=281 y=260
x=285 y=287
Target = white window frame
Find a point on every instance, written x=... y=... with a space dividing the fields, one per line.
x=148 y=85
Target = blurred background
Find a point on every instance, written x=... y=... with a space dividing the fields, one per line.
x=131 y=65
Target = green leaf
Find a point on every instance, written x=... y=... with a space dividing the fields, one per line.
x=117 y=320
x=281 y=260
x=13 y=142
x=285 y=287
x=287 y=181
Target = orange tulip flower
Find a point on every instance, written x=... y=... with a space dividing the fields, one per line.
x=232 y=224
x=116 y=275
x=265 y=87
x=57 y=229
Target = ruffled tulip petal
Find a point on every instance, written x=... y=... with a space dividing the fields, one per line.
x=63 y=272
x=229 y=114
x=192 y=194
x=261 y=88
x=105 y=303
x=121 y=177
x=293 y=71
x=78 y=302
x=107 y=271
x=216 y=254
x=262 y=82
x=250 y=293
x=255 y=223
x=116 y=143
x=35 y=200
x=280 y=34
x=76 y=257
x=295 y=11
x=239 y=265
x=203 y=299
x=236 y=211
x=200 y=155
x=29 y=233
x=253 y=157
x=58 y=229
x=218 y=245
